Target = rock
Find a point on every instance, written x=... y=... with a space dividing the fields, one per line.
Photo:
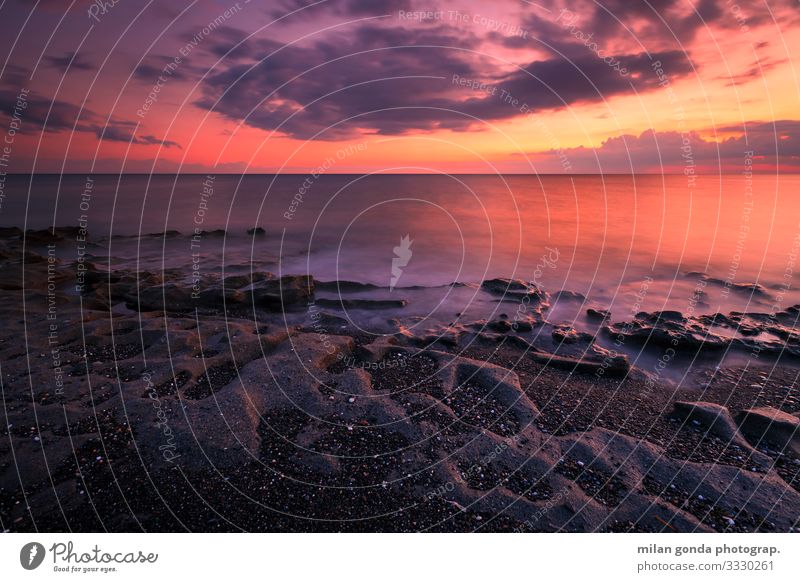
x=242 y=281
x=612 y=366
x=513 y=289
x=169 y=297
x=569 y=335
x=362 y=303
x=214 y=233
x=522 y=326
x=668 y=329
x=10 y=232
x=772 y=425
x=216 y=297
x=715 y=417
x=565 y=295
x=344 y=286
x=59 y=233
x=165 y=234
x=93 y=276
x=500 y=326
x=598 y=314
x=324 y=322
x=286 y=292
x=257 y=231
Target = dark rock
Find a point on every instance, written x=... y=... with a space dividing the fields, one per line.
x=214 y=233
x=771 y=425
x=569 y=335
x=289 y=291
x=10 y=232
x=362 y=303
x=169 y=297
x=59 y=233
x=598 y=314
x=257 y=231
x=565 y=295
x=344 y=286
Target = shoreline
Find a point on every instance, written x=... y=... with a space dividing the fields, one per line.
x=465 y=425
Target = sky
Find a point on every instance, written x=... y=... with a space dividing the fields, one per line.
x=397 y=86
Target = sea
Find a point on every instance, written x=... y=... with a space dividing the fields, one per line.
x=625 y=243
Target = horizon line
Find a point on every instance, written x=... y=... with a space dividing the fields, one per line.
x=739 y=173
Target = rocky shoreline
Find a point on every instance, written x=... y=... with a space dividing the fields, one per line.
x=140 y=401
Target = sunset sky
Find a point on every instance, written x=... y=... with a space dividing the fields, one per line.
x=360 y=86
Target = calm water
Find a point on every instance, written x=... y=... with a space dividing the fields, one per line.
x=596 y=235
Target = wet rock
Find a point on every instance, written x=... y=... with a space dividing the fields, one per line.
x=344 y=286
x=500 y=326
x=58 y=234
x=213 y=233
x=217 y=298
x=169 y=297
x=513 y=289
x=568 y=335
x=242 y=281
x=165 y=234
x=772 y=425
x=610 y=365
x=565 y=295
x=10 y=232
x=362 y=303
x=668 y=329
x=289 y=291
x=324 y=322
x=598 y=314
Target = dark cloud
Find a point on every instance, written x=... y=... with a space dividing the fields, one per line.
x=40 y=115
x=123 y=131
x=354 y=8
x=43 y=115
x=772 y=144
x=370 y=68
x=674 y=22
x=70 y=61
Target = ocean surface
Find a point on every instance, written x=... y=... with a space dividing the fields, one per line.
x=626 y=243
